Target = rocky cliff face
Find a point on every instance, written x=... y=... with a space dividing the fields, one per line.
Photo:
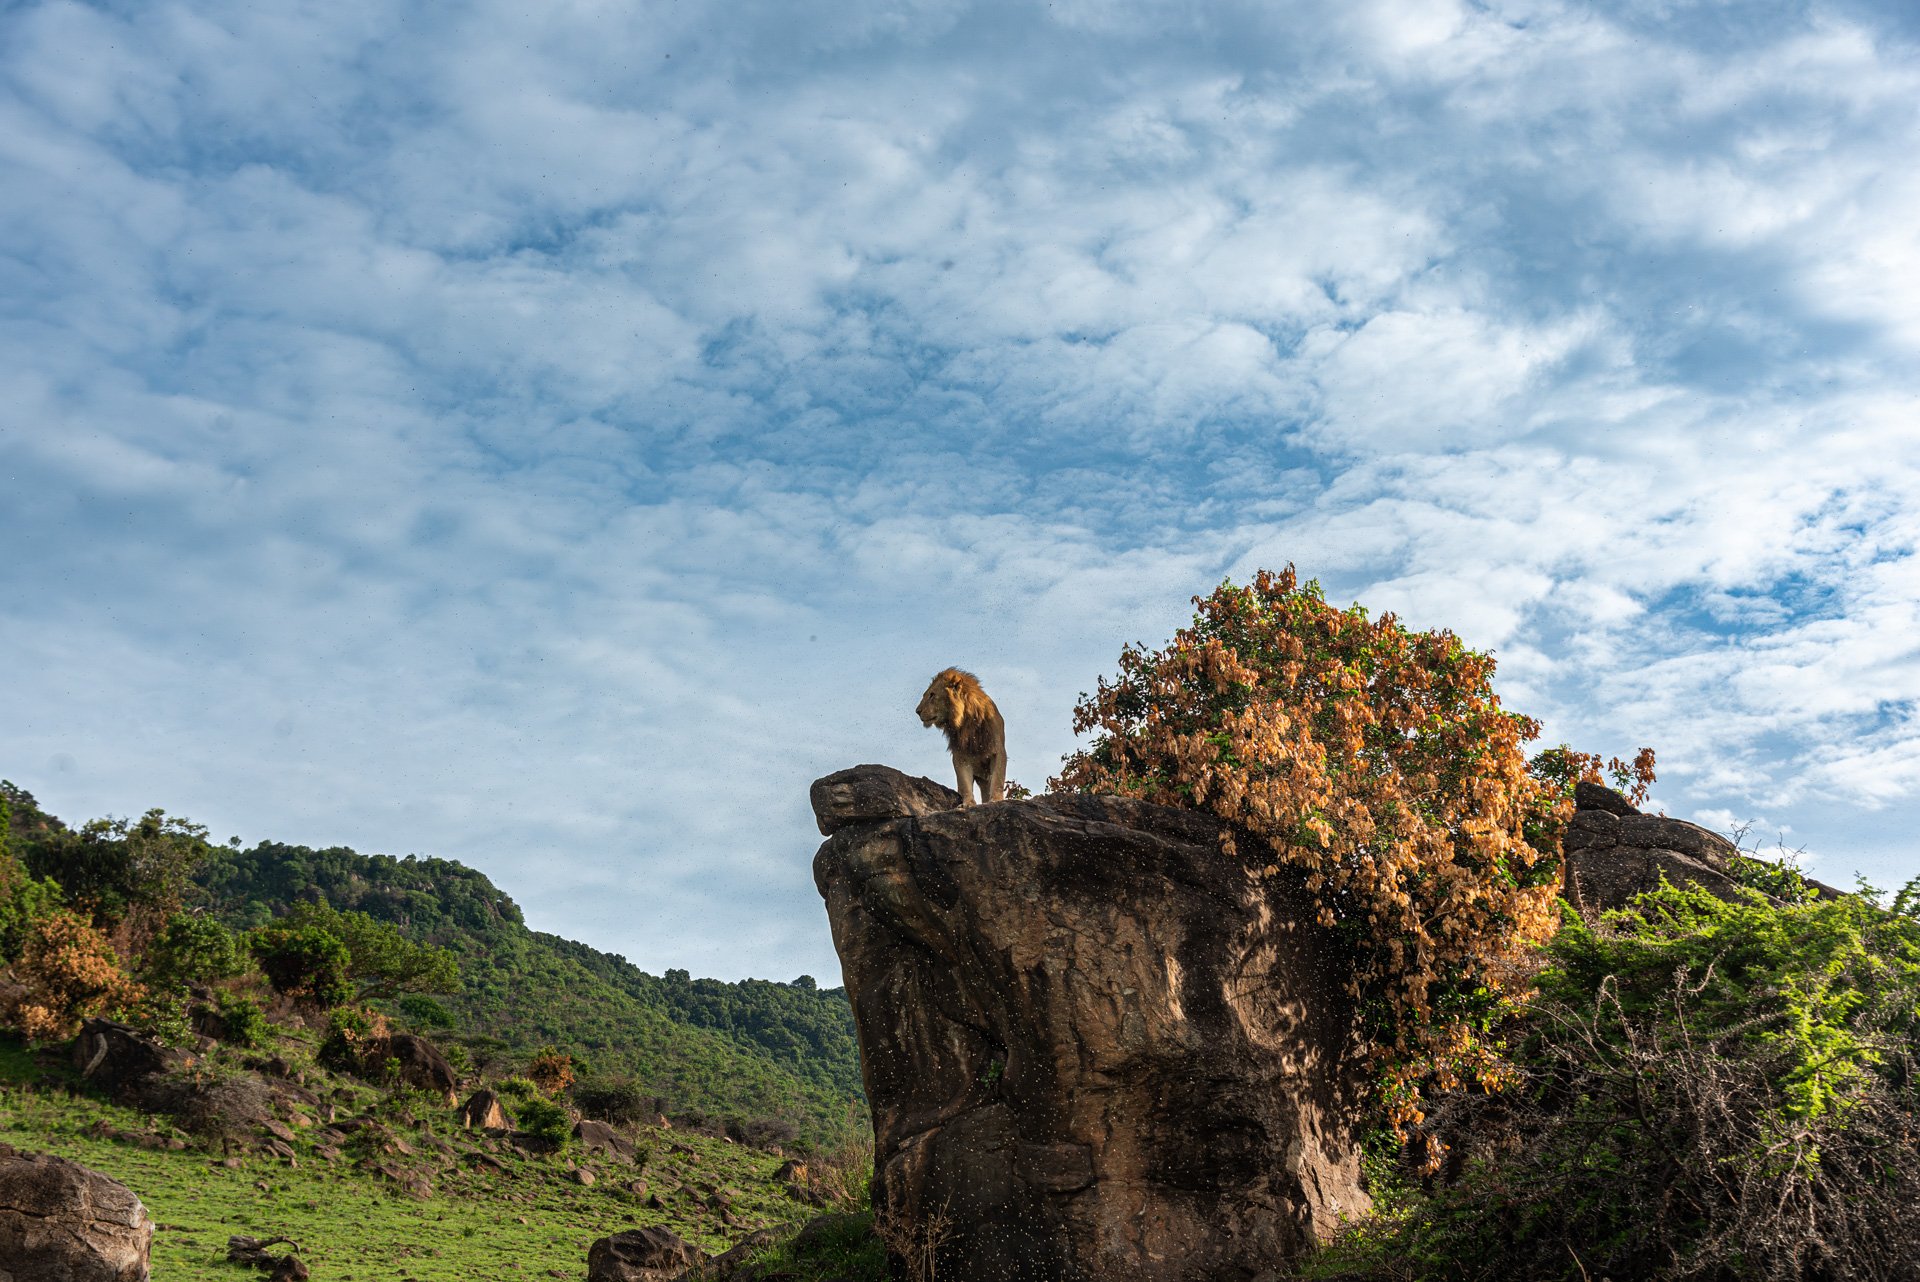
x=1093 y=1048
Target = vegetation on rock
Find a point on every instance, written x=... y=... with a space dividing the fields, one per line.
x=1378 y=765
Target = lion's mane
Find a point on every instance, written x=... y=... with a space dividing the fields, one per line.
x=963 y=710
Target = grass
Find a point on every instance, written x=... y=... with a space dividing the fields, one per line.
x=530 y=1219
x=841 y=1249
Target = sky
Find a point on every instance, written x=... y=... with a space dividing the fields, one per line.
x=550 y=436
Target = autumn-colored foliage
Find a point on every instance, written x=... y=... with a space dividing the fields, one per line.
x=68 y=972
x=1378 y=763
x=551 y=1070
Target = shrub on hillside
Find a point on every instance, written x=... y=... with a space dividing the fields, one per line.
x=516 y=1088
x=24 y=900
x=615 y=1099
x=551 y=1069
x=304 y=963
x=240 y=1021
x=1378 y=765
x=351 y=1033
x=422 y=1011
x=544 y=1119
x=192 y=950
x=67 y=972
x=762 y=1132
x=132 y=874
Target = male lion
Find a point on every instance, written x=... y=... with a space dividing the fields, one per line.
x=976 y=733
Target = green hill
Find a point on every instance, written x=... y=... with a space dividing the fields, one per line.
x=775 y=1061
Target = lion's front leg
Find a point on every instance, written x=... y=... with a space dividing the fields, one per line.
x=963 y=770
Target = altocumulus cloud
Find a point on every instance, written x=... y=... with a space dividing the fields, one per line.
x=549 y=436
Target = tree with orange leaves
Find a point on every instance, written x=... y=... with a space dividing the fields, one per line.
x=1379 y=764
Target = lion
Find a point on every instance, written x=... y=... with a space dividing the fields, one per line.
x=976 y=732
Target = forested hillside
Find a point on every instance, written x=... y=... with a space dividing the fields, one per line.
x=773 y=1056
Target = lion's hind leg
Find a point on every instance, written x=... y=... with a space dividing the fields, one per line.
x=996 y=781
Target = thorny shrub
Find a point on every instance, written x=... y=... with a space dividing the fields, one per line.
x=1376 y=762
x=1708 y=1091
x=615 y=1099
x=68 y=972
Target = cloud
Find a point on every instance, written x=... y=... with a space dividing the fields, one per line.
x=551 y=438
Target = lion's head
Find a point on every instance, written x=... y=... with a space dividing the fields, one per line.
x=954 y=701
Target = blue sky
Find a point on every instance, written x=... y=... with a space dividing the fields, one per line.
x=549 y=436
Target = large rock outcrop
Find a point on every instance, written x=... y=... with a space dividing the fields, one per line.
x=1094 y=1048
x=62 y=1222
x=1613 y=852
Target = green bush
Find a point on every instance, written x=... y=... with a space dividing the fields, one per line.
x=164 y=1015
x=544 y=1119
x=1828 y=988
x=304 y=963
x=381 y=961
x=349 y=1031
x=242 y=1022
x=422 y=1011
x=517 y=1088
x=193 y=950
x=616 y=1099
x=24 y=900
x=115 y=866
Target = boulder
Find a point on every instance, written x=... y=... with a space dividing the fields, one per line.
x=61 y=1222
x=1597 y=796
x=483 y=1109
x=641 y=1255
x=224 y=1107
x=1613 y=852
x=1094 y=1044
x=599 y=1137
x=422 y=1066
x=122 y=1059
